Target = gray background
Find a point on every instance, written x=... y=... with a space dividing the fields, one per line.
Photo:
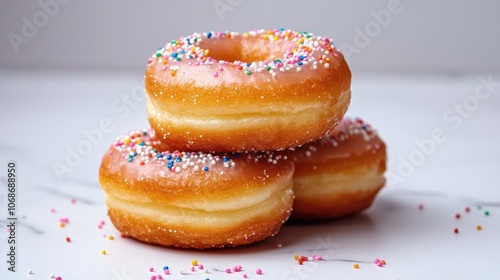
x=426 y=35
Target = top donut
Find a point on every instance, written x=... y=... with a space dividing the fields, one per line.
x=259 y=90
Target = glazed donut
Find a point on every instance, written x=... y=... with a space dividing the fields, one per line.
x=260 y=90
x=340 y=174
x=194 y=199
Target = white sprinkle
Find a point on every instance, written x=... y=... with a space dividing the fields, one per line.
x=327 y=65
x=177 y=169
x=196 y=168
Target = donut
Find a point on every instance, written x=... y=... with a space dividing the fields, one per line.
x=194 y=199
x=340 y=174
x=260 y=90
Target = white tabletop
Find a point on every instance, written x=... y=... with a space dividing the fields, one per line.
x=44 y=116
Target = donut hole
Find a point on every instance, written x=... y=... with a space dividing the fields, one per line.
x=247 y=50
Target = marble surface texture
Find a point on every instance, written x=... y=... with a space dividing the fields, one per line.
x=44 y=114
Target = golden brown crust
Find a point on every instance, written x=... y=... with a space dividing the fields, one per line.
x=191 y=109
x=148 y=189
x=340 y=174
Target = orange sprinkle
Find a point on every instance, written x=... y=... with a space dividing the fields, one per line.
x=111 y=237
x=194 y=262
x=382 y=261
x=356 y=266
x=62 y=225
x=479 y=227
x=296 y=257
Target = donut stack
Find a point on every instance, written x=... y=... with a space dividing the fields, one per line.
x=245 y=127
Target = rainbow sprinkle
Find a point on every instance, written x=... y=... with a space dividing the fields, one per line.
x=300 y=50
x=140 y=145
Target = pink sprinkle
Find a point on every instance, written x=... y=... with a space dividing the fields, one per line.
x=380 y=264
x=52 y=210
x=166 y=271
x=221 y=69
x=73 y=201
x=228 y=270
x=237 y=268
x=192 y=268
x=245 y=276
x=150 y=60
x=153 y=277
x=200 y=266
x=216 y=74
x=376 y=261
x=64 y=220
x=258 y=271
x=159 y=276
x=58 y=278
x=151 y=269
x=317 y=257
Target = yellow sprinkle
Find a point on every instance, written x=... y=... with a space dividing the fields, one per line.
x=206 y=52
x=111 y=237
x=164 y=61
x=479 y=227
x=296 y=257
x=194 y=262
x=245 y=35
x=327 y=59
x=356 y=266
x=265 y=36
x=62 y=225
x=103 y=252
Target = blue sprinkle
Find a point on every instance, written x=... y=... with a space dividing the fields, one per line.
x=135 y=154
x=205 y=168
x=236 y=155
x=363 y=127
x=178 y=159
x=130 y=159
x=225 y=159
x=142 y=144
x=248 y=64
x=159 y=156
x=165 y=267
x=169 y=157
x=174 y=54
x=209 y=34
x=182 y=51
x=300 y=63
x=188 y=41
x=282 y=29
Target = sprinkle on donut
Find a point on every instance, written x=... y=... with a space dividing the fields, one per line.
x=303 y=50
x=140 y=145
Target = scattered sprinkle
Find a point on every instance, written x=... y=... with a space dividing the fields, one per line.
x=356 y=266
